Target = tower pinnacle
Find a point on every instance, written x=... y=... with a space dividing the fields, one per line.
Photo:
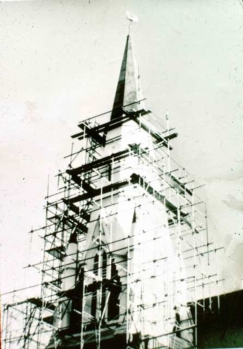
x=128 y=92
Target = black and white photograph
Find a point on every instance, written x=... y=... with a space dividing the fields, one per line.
x=121 y=174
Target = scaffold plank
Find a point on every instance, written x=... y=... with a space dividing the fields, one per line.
x=108 y=126
x=92 y=132
x=135 y=178
x=179 y=185
x=57 y=252
x=77 y=224
x=100 y=162
x=97 y=192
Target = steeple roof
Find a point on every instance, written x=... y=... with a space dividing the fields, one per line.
x=128 y=88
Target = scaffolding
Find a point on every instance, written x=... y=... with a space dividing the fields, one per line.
x=127 y=258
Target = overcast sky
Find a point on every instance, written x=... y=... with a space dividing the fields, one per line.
x=59 y=63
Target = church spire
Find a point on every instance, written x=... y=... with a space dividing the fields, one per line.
x=128 y=87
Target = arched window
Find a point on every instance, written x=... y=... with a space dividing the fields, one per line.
x=104 y=274
x=94 y=294
x=96 y=285
x=115 y=290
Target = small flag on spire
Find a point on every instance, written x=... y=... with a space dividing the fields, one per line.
x=131 y=17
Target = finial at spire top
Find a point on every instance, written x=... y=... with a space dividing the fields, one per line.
x=132 y=19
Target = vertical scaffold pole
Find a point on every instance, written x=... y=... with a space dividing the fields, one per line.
x=194 y=268
x=82 y=310
x=128 y=292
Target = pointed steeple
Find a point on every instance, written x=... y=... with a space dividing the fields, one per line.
x=128 y=88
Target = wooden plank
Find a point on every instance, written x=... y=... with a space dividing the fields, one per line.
x=107 y=126
x=135 y=178
x=97 y=192
x=98 y=163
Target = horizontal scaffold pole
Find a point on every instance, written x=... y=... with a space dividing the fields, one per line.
x=96 y=192
x=98 y=163
x=107 y=126
x=135 y=178
x=155 y=134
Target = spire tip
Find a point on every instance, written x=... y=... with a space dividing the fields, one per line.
x=132 y=19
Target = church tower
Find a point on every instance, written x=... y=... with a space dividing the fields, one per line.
x=128 y=266
x=126 y=250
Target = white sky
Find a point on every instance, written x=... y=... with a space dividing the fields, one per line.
x=59 y=63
